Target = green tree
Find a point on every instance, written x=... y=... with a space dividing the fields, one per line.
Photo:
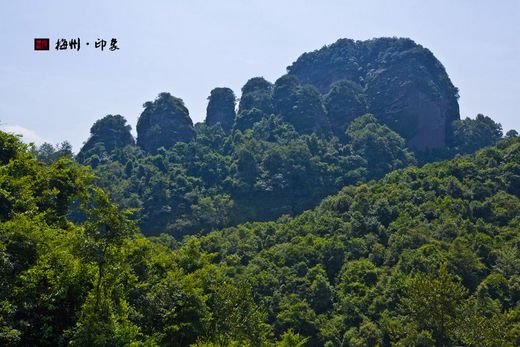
x=469 y=135
x=383 y=149
x=435 y=303
x=344 y=102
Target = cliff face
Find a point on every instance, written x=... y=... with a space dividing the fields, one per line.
x=344 y=102
x=163 y=123
x=221 y=108
x=403 y=84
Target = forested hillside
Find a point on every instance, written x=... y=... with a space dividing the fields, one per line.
x=347 y=113
x=423 y=257
x=217 y=180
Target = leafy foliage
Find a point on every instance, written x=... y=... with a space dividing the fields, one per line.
x=423 y=256
x=406 y=260
x=471 y=134
x=259 y=174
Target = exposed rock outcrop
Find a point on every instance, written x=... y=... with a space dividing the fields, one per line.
x=403 y=84
x=163 y=123
x=257 y=93
x=107 y=134
x=221 y=108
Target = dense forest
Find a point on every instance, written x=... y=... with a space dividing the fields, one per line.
x=345 y=204
x=423 y=257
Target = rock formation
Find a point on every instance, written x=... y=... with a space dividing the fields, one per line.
x=403 y=84
x=221 y=108
x=163 y=123
x=108 y=133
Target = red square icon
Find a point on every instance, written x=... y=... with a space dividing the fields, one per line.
x=41 y=44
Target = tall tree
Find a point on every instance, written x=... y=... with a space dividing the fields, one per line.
x=382 y=148
x=435 y=303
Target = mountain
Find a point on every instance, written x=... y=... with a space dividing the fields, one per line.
x=397 y=80
x=401 y=82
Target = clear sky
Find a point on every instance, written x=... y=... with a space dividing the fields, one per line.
x=189 y=47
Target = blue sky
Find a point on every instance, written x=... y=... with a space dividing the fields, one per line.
x=189 y=47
